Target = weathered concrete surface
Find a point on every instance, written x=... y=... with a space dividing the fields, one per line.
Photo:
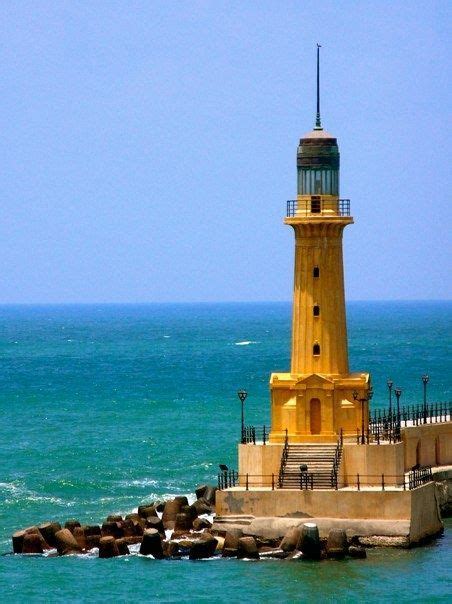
x=411 y=515
x=276 y=528
x=443 y=479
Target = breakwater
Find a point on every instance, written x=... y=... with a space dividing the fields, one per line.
x=173 y=529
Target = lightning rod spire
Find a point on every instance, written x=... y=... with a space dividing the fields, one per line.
x=318 y=123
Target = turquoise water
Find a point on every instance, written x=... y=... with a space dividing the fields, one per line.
x=104 y=407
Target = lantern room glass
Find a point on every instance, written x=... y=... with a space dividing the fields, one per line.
x=318 y=182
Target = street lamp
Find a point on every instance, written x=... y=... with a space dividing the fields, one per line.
x=425 y=379
x=398 y=392
x=363 y=400
x=390 y=385
x=242 y=394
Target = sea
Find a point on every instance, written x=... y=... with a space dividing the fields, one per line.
x=105 y=407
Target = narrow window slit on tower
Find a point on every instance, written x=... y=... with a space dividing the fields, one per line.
x=316 y=350
x=316 y=272
x=316 y=310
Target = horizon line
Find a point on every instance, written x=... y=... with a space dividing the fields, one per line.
x=206 y=302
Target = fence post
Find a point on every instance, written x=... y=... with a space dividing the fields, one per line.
x=264 y=435
x=382 y=482
x=247 y=482
x=357 y=482
x=273 y=482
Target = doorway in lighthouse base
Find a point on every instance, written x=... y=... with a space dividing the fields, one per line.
x=315 y=416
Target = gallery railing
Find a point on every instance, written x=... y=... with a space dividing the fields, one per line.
x=320 y=481
x=313 y=206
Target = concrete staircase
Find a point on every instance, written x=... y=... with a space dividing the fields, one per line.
x=321 y=461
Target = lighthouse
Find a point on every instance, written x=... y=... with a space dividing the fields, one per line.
x=319 y=396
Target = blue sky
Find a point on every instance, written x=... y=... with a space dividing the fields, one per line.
x=148 y=148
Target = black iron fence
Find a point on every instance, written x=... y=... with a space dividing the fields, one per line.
x=255 y=434
x=419 y=476
x=329 y=480
x=227 y=479
x=414 y=415
x=382 y=427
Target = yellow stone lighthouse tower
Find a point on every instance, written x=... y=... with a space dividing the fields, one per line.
x=319 y=396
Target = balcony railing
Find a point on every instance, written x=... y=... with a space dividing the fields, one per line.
x=318 y=206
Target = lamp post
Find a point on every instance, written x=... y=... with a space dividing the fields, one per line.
x=398 y=392
x=425 y=379
x=390 y=385
x=363 y=400
x=242 y=394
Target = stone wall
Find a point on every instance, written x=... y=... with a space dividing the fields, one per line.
x=428 y=445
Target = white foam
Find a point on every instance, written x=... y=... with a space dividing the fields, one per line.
x=246 y=343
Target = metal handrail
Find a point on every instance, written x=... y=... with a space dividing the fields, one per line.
x=284 y=455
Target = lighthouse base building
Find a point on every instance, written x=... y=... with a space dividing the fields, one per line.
x=325 y=456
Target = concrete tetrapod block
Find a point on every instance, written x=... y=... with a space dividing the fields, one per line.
x=66 y=542
x=203 y=549
x=183 y=523
x=247 y=548
x=171 y=510
x=291 y=539
x=92 y=541
x=114 y=518
x=152 y=544
x=336 y=544
x=135 y=518
x=138 y=527
x=18 y=541
x=202 y=507
x=122 y=546
x=146 y=511
x=201 y=523
x=200 y=490
x=230 y=545
x=209 y=495
x=182 y=499
x=170 y=549
x=48 y=530
x=155 y=523
x=32 y=544
x=108 y=547
x=190 y=510
x=309 y=542
x=112 y=529
x=92 y=529
x=18 y=538
x=356 y=551
x=128 y=527
x=71 y=524
x=80 y=537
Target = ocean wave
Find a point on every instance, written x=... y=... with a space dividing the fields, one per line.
x=16 y=492
x=245 y=343
x=144 y=482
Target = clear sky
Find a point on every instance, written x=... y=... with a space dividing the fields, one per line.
x=148 y=148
